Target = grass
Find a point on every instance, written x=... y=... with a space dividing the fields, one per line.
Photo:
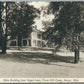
x=28 y=57
x=35 y=64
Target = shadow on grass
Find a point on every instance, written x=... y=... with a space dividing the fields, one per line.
x=44 y=58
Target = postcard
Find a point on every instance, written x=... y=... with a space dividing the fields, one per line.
x=42 y=42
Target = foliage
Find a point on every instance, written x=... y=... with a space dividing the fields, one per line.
x=20 y=18
x=1 y=20
x=67 y=23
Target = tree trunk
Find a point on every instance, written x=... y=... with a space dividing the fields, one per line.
x=4 y=44
x=76 y=60
x=19 y=42
x=4 y=37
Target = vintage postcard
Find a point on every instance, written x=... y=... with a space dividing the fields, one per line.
x=42 y=42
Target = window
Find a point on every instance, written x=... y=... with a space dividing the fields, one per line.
x=39 y=36
x=13 y=43
x=24 y=42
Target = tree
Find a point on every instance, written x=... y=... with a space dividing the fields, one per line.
x=67 y=25
x=0 y=23
x=2 y=33
x=21 y=20
x=18 y=18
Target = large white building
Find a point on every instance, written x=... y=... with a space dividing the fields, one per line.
x=35 y=39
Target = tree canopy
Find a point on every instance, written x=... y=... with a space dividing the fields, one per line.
x=67 y=21
x=19 y=18
x=68 y=24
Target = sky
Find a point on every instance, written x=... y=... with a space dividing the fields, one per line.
x=39 y=4
x=38 y=21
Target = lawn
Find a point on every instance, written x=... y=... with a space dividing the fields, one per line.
x=36 y=64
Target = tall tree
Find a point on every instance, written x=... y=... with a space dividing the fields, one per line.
x=0 y=23
x=18 y=19
x=67 y=25
x=2 y=28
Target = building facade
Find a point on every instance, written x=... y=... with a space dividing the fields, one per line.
x=34 y=40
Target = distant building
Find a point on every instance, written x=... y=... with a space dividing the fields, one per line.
x=34 y=40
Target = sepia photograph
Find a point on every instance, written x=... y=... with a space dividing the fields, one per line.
x=41 y=39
